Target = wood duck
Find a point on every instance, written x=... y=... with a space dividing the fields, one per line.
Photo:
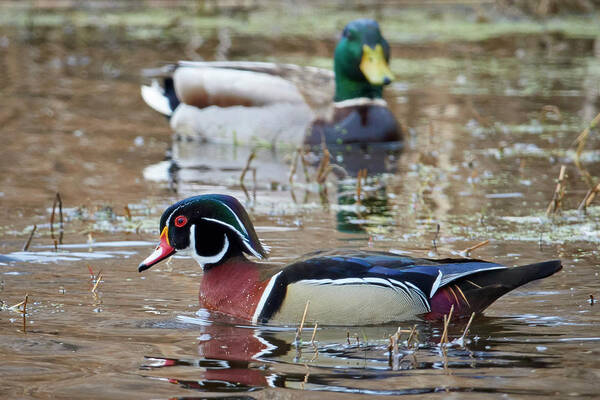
x=345 y=287
x=244 y=102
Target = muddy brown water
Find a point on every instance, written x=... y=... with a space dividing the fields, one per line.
x=480 y=160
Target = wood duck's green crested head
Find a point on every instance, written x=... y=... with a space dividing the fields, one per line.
x=361 y=61
x=211 y=227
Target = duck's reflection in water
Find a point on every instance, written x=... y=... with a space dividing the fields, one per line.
x=240 y=358
x=188 y=163
x=362 y=197
x=359 y=175
x=230 y=358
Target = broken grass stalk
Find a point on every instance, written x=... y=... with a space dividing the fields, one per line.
x=360 y=178
x=57 y=201
x=412 y=335
x=468 y=250
x=447 y=318
x=304 y=165
x=324 y=169
x=559 y=192
x=247 y=167
x=462 y=338
x=301 y=326
x=98 y=280
x=436 y=238
x=580 y=142
x=395 y=352
x=25 y=313
x=26 y=246
x=127 y=212
x=589 y=198
x=294 y=165
x=312 y=341
x=243 y=175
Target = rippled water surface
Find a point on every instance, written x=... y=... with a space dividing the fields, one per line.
x=488 y=121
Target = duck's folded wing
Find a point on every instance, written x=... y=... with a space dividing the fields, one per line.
x=316 y=85
x=405 y=284
x=203 y=87
x=227 y=83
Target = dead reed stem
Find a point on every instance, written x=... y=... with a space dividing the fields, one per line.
x=445 y=357
x=468 y=250
x=559 y=192
x=312 y=339
x=299 y=331
x=304 y=165
x=467 y=327
x=294 y=165
x=444 y=332
x=28 y=242
x=245 y=191
x=324 y=168
x=580 y=142
x=247 y=167
x=127 y=213
x=98 y=279
x=57 y=201
x=444 y=339
x=360 y=178
x=436 y=237
x=390 y=349
x=316 y=355
x=52 y=220
x=305 y=381
x=412 y=335
x=16 y=306
x=395 y=352
x=25 y=313
x=589 y=198
x=447 y=318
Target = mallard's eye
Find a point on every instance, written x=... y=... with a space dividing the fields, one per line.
x=181 y=221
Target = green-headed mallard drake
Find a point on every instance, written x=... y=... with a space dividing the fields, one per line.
x=344 y=287
x=278 y=103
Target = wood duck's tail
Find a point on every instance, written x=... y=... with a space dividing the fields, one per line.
x=474 y=293
x=161 y=98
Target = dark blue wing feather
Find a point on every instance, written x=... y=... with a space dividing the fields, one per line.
x=422 y=272
x=401 y=272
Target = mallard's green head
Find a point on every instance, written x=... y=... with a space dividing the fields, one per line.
x=361 y=61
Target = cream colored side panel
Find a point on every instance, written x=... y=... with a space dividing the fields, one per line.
x=346 y=305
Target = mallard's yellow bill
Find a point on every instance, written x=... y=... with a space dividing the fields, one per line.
x=374 y=67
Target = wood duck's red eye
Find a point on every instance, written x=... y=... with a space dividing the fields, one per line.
x=180 y=221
